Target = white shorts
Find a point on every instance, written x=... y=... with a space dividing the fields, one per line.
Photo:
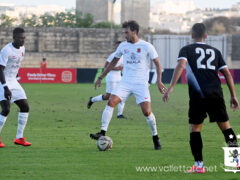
x=140 y=91
x=110 y=86
x=16 y=90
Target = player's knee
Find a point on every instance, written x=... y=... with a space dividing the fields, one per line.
x=195 y=128
x=24 y=108
x=111 y=103
x=5 y=111
x=146 y=113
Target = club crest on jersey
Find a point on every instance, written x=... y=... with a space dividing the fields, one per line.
x=22 y=54
x=138 y=50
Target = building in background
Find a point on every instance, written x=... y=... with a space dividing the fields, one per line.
x=27 y=11
x=15 y=11
x=138 y=10
x=179 y=16
x=100 y=9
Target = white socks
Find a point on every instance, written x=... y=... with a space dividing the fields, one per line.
x=22 y=121
x=2 y=121
x=120 y=108
x=106 y=117
x=152 y=123
x=97 y=98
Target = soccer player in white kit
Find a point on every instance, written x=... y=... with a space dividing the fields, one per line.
x=136 y=54
x=10 y=90
x=112 y=79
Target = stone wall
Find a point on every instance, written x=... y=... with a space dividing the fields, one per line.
x=66 y=47
x=88 y=48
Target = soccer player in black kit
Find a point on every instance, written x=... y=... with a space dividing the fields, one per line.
x=206 y=97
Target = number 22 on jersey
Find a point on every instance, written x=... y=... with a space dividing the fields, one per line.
x=202 y=56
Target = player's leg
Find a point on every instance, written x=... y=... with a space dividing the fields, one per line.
x=151 y=120
x=120 y=93
x=218 y=113
x=98 y=99
x=196 y=146
x=109 y=88
x=197 y=114
x=3 y=116
x=22 y=121
x=228 y=133
x=142 y=94
x=107 y=116
x=108 y=112
x=120 y=110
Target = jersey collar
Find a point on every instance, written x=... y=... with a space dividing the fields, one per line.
x=200 y=42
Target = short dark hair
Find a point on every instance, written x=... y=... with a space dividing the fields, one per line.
x=133 y=25
x=18 y=30
x=199 y=30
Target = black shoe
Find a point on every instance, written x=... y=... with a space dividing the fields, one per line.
x=89 y=104
x=96 y=136
x=156 y=142
x=121 y=117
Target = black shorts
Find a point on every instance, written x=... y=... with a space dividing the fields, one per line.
x=214 y=107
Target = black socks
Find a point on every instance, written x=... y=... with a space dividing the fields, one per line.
x=196 y=145
x=230 y=138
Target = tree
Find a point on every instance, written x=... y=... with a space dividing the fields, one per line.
x=63 y=19
x=105 y=25
x=30 y=22
x=86 y=21
x=46 y=20
x=7 y=21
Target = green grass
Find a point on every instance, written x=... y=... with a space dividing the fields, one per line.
x=59 y=126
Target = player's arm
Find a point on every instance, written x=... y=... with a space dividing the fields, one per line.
x=234 y=104
x=106 y=64
x=118 y=68
x=160 y=85
x=111 y=65
x=7 y=92
x=176 y=75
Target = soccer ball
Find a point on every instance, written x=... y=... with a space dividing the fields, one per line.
x=104 y=143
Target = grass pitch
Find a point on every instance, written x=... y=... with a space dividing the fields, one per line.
x=59 y=126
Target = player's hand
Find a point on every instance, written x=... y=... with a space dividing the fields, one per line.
x=7 y=93
x=234 y=104
x=98 y=83
x=165 y=97
x=161 y=87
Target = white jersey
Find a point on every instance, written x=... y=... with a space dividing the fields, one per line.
x=114 y=76
x=136 y=60
x=11 y=58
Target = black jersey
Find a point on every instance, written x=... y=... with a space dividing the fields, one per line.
x=204 y=62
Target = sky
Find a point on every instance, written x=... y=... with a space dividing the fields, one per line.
x=72 y=3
